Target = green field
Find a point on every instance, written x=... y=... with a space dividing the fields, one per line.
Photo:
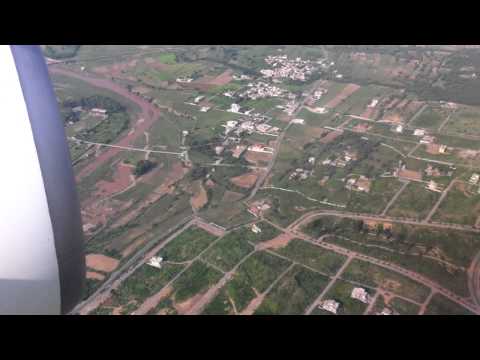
x=228 y=251
x=440 y=305
x=196 y=279
x=293 y=293
x=254 y=276
x=143 y=283
x=376 y=276
x=341 y=292
x=187 y=245
x=466 y=121
x=404 y=307
x=381 y=191
x=324 y=261
x=430 y=118
x=414 y=202
x=460 y=207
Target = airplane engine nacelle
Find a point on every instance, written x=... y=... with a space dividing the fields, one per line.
x=42 y=263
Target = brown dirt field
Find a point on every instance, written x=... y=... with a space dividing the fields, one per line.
x=256 y=157
x=231 y=196
x=152 y=301
x=467 y=154
x=410 y=174
x=276 y=243
x=101 y=262
x=362 y=127
x=372 y=224
x=330 y=137
x=222 y=79
x=345 y=93
x=121 y=180
x=394 y=117
x=200 y=197
x=433 y=148
x=95 y=275
x=245 y=181
x=184 y=307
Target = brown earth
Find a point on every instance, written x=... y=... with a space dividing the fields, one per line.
x=101 y=262
x=245 y=181
x=254 y=304
x=185 y=306
x=276 y=243
x=153 y=300
x=200 y=197
x=344 y=94
x=330 y=137
x=257 y=158
x=95 y=275
x=121 y=180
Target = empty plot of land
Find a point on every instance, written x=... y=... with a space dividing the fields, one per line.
x=245 y=181
x=101 y=262
x=344 y=94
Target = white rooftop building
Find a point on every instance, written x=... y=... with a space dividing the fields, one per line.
x=474 y=179
x=330 y=306
x=360 y=294
x=235 y=108
x=419 y=132
x=155 y=261
x=256 y=229
x=298 y=121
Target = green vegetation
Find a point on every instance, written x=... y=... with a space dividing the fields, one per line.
x=428 y=119
x=60 y=51
x=253 y=277
x=143 y=166
x=187 y=245
x=376 y=276
x=168 y=58
x=293 y=293
x=228 y=251
x=461 y=205
x=268 y=232
x=143 y=283
x=341 y=292
x=196 y=279
x=404 y=307
x=440 y=305
x=414 y=202
x=325 y=261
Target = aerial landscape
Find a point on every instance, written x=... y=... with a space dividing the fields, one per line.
x=275 y=180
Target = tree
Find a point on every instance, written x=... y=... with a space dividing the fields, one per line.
x=142 y=167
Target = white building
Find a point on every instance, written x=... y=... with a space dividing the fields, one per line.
x=155 y=261
x=419 y=132
x=311 y=160
x=399 y=129
x=198 y=98
x=360 y=294
x=386 y=311
x=298 y=121
x=204 y=108
x=235 y=108
x=256 y=229
x=474 y=179
x=330 y=306
x=373 y=103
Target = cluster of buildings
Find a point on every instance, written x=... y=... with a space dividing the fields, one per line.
x=250 y=125
x=342 y=160
x=261 y=90
x=358 y=293
x=300 y=174
x=258 y=208
x=361 y=184
x=97 y=112
x=284 y=68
